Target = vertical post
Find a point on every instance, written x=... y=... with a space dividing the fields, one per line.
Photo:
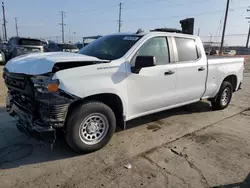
x=62 y=24
x=120 y=19
x=248 y=36
x=69 y=36
x=248 y=30
x=4 y=23
x=224 y=27
x=74 y=35
x=199 y=32
x=16 y=27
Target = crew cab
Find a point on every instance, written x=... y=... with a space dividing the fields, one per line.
x=114 y=79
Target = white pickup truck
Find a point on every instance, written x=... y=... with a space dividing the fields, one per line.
x=116 y=78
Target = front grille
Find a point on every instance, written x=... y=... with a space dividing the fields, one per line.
x=15 y=81
x=19 y=82
x=22 y=101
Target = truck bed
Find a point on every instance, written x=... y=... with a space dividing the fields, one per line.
x=213 y=59
x=220 y=57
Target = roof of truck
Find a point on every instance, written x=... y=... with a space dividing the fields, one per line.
x=155 y=33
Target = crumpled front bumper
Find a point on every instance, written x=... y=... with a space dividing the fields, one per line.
x=36 y=130
x=50 y=115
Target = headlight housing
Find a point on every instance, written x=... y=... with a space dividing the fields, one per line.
x=45 y=84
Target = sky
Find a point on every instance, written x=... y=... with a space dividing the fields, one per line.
x=83 y=18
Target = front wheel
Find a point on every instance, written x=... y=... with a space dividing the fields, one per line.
x=223 y=98
x=90 y=127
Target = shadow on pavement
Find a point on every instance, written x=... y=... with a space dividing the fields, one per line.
x=244 y=184
x=198 y=107
x=17 y=150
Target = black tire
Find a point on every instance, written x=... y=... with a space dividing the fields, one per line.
x=74 y=136
x=217 y=102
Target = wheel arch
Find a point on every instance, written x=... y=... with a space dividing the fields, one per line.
x=110 y=99
x=232 y=79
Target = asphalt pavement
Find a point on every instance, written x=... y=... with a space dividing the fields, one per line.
x=191 y=146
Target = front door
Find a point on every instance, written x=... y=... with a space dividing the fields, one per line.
x=152 y=88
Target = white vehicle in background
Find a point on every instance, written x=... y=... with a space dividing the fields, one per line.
x=114 y=79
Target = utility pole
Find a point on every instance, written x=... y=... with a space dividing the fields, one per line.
x=211 y=36
x=4 y=23
x=224 y=28
x=62 y=24
x=74 y=33
x=248 y=36
x=16 y=27
x=120 y=18
x=198 y=31
x=248 y=30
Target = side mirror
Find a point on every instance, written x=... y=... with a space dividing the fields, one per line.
x=142 y=62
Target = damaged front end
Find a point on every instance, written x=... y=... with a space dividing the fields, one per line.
x=37 y=103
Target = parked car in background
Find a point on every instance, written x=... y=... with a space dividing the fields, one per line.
x=79 y=45
x=57 y=47
x=18 y=46
x=44 y=42
x=2 y=58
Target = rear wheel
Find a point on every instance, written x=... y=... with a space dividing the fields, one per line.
x=90 y=127
x=223 y=97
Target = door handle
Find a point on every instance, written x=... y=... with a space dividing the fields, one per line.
x=169 y=72
x=201 y=69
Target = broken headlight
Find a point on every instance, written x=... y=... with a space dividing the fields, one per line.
x=45 y=84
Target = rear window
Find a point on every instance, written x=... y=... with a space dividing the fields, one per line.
x=186 y=49
x=67 y=46
x=31 y=42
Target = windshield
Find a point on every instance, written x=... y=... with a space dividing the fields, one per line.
x=110 y=47
x=32 y=42
x=67 y=46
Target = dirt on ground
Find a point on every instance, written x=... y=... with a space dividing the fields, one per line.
x=3 y=89
x=191 y=146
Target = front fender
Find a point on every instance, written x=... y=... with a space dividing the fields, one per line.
x=79 y=82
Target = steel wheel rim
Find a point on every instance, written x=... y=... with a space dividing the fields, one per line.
x=225 y=96
x=93 y=128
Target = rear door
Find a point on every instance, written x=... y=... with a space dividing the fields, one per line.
x=191 y=70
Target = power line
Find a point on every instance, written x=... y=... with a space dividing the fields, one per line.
x=62 y=24
x=220 y=24
x=120 y=18
x=92 y=10
x=16 y=27
x=228 y=35
x=173 y=5
x=224 y=27
x=180 y=16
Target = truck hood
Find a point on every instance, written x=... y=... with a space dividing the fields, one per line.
x=41 y=63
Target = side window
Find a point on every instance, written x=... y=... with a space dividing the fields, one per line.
x=157 y=47
x=186 y=49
